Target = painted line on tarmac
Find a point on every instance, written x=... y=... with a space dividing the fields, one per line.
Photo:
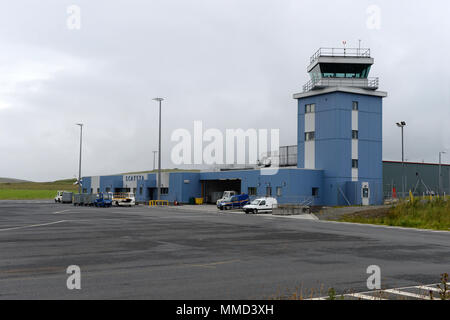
x=61 y=211
x=210 y=264
x=371 y=295
x=34 y=225
x=364 y=296
x=407 y=294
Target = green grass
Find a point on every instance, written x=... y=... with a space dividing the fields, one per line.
x=34 y=190
x=417 y=214
x=15 y=194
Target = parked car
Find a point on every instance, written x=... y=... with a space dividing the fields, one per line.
x=234 y=202
x=124 y=199
x=261 y=205
x=225 y=196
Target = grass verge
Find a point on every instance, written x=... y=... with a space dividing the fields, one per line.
x=34 y=190
x=420 y=214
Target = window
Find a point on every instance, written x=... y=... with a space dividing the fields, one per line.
x=92 y=191
x=108 y=189
x=140 y=190
x=355 y=163
x=354 y=134
x=268 y=191
x=309 y=136
x=252 y=191
x=98 y=190
x=310 y=108
x=355 y=106
x=262 y=203
x=164 y=190
x=279 y=192
x=315 y=192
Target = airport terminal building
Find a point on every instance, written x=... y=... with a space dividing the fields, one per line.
x=339 y=146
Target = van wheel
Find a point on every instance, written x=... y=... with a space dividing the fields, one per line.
x=255 y=211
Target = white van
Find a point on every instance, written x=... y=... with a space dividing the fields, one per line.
x=261 y=205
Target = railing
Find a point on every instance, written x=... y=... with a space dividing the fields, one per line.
x=367 y=83
x=340 y=52
x=153 y=203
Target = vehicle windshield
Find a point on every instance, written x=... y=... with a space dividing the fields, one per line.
x=256 y=202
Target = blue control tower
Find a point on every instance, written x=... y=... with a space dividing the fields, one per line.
x=340 y=126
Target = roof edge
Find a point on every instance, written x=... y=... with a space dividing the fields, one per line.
x=311 y=93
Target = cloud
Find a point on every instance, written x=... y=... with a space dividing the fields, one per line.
x=232 y=64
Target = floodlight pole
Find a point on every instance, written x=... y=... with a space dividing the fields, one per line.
x=401 y=125
x=154 y=161
x=441 y=187
x=79 y=164
x=159 y=149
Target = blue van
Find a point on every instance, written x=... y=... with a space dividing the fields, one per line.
x=234 y=202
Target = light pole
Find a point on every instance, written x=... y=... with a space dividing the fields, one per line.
x=159 y=148
x=79 y=165
x=154 y=157
x=441 y=189
x=401 y=125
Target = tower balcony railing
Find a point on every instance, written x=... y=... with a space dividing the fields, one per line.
x=340 y=52
x=320 y=83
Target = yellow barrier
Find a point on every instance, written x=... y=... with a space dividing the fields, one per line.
x=198 y=200
x=152 y=203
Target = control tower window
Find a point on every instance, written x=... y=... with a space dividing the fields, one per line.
x=309 y=136
x=310 y=108
x=355 y=106
x=354 y=134
x=355 y=163
x=330 y=70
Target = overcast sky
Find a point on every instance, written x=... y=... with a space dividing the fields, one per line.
x=229 y=63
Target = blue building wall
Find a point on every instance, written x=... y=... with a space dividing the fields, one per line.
x=296 y=184
x=86 y=183
x=333 y=142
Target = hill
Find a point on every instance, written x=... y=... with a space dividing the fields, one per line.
x=34 y=190
x=11 y=180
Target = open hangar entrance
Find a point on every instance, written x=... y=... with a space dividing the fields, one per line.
x=212 y=190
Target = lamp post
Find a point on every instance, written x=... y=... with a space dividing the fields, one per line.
x=159 y=148
x=79 y=165
x=441 y=189
x=154 y=157
x=401 y=125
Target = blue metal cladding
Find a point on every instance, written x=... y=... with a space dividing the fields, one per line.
x=295 y=184
x=182 y=186
x=333 y=142
x=111 y=182
x=86 y=183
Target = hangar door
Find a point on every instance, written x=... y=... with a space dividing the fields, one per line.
x=212 y=190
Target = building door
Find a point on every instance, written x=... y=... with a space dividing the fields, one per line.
x=152 y=193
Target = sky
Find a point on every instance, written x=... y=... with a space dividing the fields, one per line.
x=231 y=64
